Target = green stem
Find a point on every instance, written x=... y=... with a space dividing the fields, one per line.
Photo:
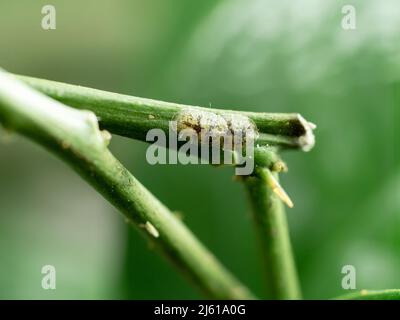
x=271 y=224
x=75 y=137
x=388 y=294
x=133 y=116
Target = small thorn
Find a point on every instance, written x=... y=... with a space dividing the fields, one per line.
x=281 y=193
x=151 y=229
x=277 y=188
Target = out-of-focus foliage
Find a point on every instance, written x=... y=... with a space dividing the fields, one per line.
x=276 y=56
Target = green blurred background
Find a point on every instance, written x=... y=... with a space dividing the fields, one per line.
x=272 y=56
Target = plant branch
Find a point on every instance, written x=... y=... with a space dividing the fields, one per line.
x=133 y=116
x=388 y=294
x=271 y=225
x=75 y=137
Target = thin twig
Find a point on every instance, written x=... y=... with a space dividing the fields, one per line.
x=133 y=116
x=387 y=294
x=272 y=228
x=75 y=137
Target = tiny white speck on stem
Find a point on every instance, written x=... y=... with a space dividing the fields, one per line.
x=151 y=229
